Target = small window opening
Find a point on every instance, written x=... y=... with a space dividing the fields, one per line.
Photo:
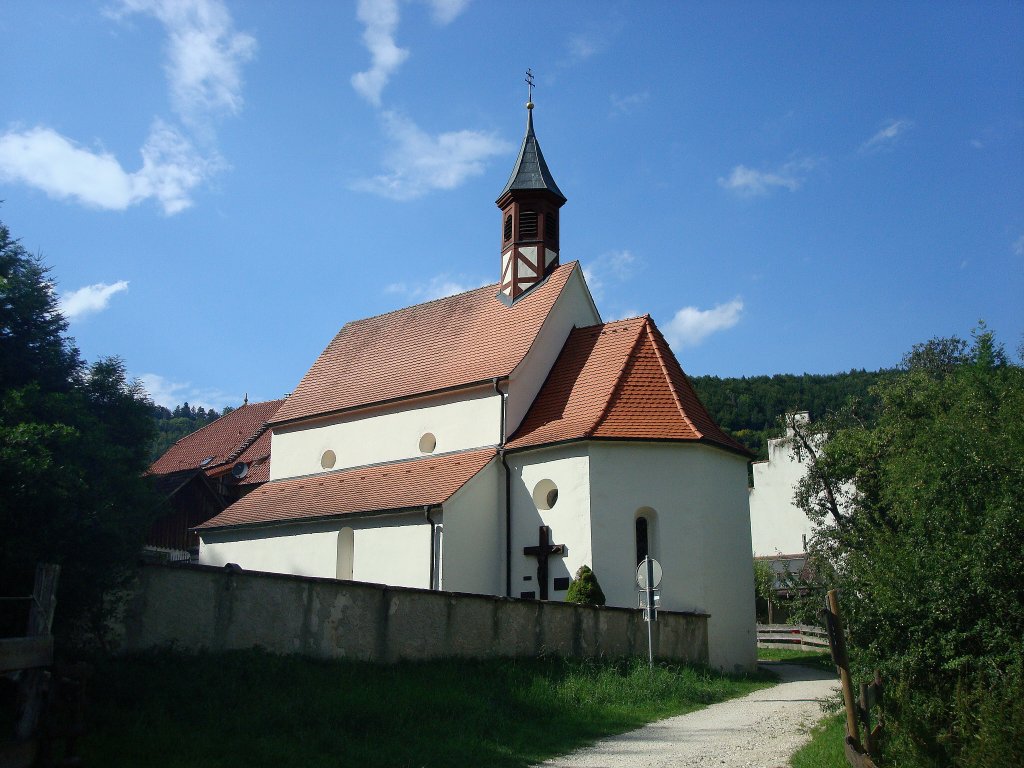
x=508 y=227
x=527 y=224
x=642 y=541
x=545 y=494
x=328 y=459
x=551 y=228
x=428 y=443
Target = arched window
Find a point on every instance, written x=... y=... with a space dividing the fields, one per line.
x=346 y=553
x=643 y=541
x=551 y=229
x=508 y=227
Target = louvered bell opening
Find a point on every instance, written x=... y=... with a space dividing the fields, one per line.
x=551 y=229
x=527 y=225
x=508 y=228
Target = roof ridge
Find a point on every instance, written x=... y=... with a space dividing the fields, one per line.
x=649 y=326
x=619 y=379
x=573 y=263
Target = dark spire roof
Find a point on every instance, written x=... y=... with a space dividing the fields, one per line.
x=531 y=172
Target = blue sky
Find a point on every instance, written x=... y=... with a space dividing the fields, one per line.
x=785 y=187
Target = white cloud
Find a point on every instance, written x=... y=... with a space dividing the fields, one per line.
x=613 y=266
x=169 y=394
x=418 y=162
x=750 y=182
x=622 y=105
x=582 y=47
x=90 y=299
x=204 y=58
x=887 y=137
x=436 y=287
x=204 y=54
x=445 y=11
x=381 y=19
x=46 y=160
x=691 y=326
x=1018 y=246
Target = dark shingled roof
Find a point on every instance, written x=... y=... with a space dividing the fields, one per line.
x=531 y=172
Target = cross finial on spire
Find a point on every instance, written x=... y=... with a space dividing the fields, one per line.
x=529 y=82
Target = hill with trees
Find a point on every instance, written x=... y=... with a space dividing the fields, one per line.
x=750 y=407
x=171 y=426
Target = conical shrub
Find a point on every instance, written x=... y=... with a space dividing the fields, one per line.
x=584 y=589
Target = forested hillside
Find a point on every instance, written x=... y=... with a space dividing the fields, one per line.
x=183 y=420
x=749 y=407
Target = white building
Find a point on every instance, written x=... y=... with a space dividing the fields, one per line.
x=495 y=441
x=777 y=525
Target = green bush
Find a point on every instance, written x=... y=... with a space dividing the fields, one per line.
x=584 y=589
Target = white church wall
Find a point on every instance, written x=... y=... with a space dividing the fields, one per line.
x=568 y=468
x=573 y=308
x=392 y=549
x=457 y=421
x=777 y=525
x=474 y=532
x=304 y=550
x=701 y=535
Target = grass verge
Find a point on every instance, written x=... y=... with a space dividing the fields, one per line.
x=253 y=709
x=816 y=659
x=825 y=749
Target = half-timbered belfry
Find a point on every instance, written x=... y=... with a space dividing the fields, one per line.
x=495 y=441
x=529 y=204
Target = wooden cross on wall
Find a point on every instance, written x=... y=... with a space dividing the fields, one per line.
x=542 y=552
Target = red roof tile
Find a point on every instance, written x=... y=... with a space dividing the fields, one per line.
x=618 y=380
x=243 y=430
x=384 y=487
x=445 y=343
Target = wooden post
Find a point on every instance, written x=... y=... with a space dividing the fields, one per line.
x=40 y=620
x=842 y=661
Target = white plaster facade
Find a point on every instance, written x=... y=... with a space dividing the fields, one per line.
x=777 y=525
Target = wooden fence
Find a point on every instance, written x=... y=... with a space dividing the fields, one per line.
x=799 y=637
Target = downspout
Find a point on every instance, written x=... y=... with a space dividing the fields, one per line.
x=508 y=492
x=433 y=565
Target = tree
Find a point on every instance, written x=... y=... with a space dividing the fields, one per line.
x=73 y=446
x=584 y=589
x=925 y=500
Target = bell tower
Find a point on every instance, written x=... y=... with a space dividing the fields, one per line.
x=529 y=204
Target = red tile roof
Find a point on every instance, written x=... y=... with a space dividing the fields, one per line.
x=385 y=487
x=239 y=435
x=618 y=380
x=445 y=343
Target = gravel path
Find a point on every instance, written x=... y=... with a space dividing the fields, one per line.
x=760 y=730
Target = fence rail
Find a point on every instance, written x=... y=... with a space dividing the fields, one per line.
x=796 y=636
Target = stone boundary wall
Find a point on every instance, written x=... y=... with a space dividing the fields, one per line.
x=199 y=607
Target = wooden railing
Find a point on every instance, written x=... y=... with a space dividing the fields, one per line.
x=799 y=637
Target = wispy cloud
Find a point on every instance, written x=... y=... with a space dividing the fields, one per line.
x=888 y=136
x=623 y=105
x=381 y=20
x=1018 y=246
x=168 y=393
x=751 y=182
x=48 y=161
x=205 y=54
x=204 y=59
x=418 y=162
x=691 y=325
x=582 y=47
x=445 y=11
x=608 y=268
x=90 y=299
x=436 y=287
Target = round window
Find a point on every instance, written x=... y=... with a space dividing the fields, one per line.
x=327 y=459
x=545 y=494
x=428 y=443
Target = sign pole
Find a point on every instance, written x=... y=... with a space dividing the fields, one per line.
x=650 y=611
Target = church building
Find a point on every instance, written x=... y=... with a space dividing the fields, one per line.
x=495 y=441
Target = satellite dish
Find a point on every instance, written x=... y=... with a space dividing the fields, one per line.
x=240 y=470
x=206 y=461
x=641 y=574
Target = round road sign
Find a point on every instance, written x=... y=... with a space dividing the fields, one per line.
x=641 y=574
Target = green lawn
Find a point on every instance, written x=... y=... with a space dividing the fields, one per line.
x=821 y=660
x=254 y=709
x=825 y=749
